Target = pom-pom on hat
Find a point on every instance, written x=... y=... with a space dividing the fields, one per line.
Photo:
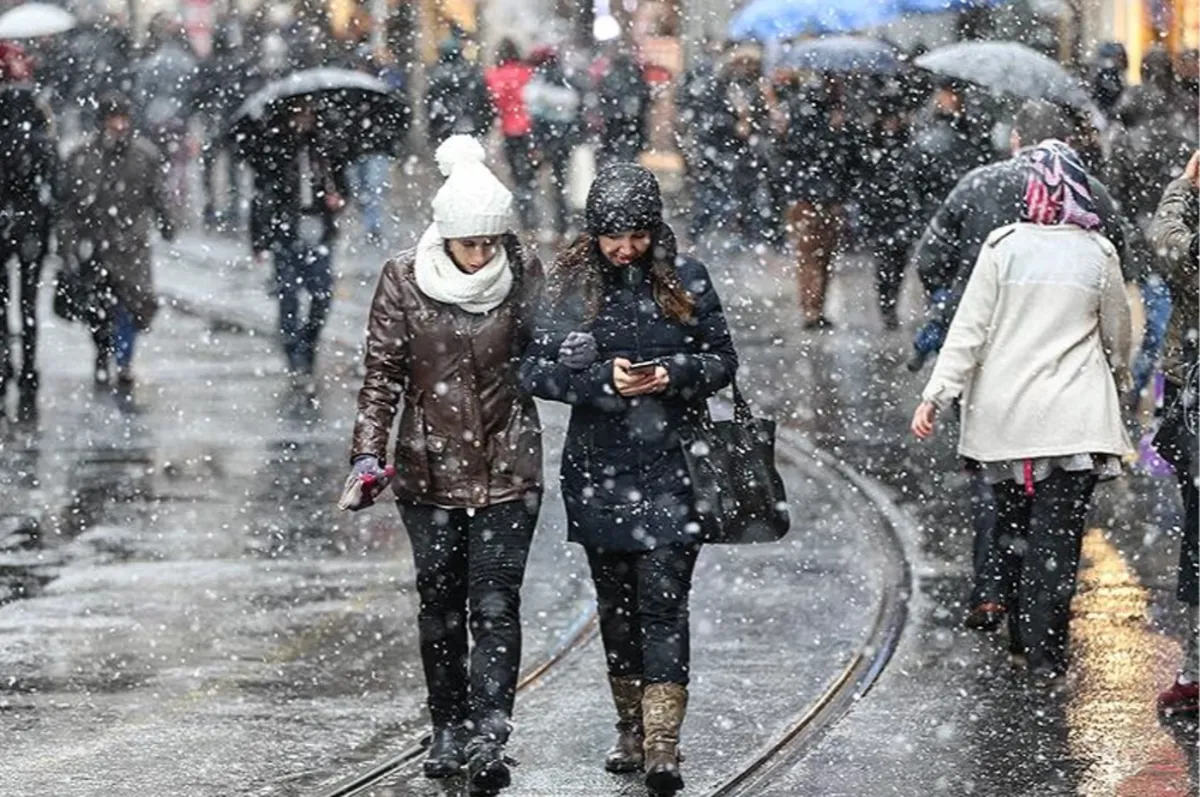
x=472 y=202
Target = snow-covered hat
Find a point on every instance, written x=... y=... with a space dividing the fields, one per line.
x=472 y=202
x=624 y=197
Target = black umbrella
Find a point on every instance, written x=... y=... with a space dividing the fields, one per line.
x=842 y=54
x=1008 y=68
x=357 y=111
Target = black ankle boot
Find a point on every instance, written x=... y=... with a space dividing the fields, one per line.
x=27 y=392
x=487 y=769
x=447 y=752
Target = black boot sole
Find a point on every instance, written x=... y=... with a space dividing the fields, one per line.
x=490 y=780
x=664 y=783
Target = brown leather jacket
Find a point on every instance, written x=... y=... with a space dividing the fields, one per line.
x=469 y=436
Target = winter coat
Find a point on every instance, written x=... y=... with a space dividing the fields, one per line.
x=1043 y=327
x=888 y=197
x=1146 y=155
x=468 y=435
x=554 y=103
x=941 y=150
x=623 y=471
x=29 y=173
x=624 y=104
x=987 y=198
x=507 y=82
x=222 y=82
x=163 y=86
x=286 y=212
x=456 y=99
x=1174 y=238
x=820 y=159
x=111 y=194
x=738 y=98
x=701 y=111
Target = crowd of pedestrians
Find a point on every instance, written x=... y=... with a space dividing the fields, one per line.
x=1024 y=252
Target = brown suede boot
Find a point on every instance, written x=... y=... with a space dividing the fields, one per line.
x=663 y=709
x=626 y=754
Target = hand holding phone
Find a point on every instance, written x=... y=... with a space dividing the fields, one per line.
x=639 y=379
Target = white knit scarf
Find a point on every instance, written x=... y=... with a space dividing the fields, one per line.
x=441 y=280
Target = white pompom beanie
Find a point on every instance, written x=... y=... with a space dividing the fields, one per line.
x=472 y=202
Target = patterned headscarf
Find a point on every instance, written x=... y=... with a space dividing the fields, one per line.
x=1057 y=189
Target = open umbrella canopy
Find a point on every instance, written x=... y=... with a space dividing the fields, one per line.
x=842 y=54
x=767 y=20
x=942 y=6
x=31 y=20
x=358 y=111
x=308 y=83
x=1007 y=68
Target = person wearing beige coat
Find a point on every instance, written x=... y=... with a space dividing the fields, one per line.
x=1035 y=356
x=1036 y=348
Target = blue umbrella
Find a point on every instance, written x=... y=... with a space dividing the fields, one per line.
x=842 y=54
x=767 y=20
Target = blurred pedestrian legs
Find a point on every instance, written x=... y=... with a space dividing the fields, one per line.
x=299 y=267
x=371 y=184
x=815 y=228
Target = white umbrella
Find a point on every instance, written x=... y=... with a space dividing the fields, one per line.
x=31 y=20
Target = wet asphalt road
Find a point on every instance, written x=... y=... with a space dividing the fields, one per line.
x=185 y=612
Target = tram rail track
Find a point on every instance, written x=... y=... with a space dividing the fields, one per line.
x=849 y=685
x=866 y=665
x=577 y=636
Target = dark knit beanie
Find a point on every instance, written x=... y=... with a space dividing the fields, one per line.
x=623 y=197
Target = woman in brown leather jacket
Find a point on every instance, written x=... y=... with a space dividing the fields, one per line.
x=447 y=327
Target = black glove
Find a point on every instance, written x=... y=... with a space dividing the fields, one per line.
x=578 y=351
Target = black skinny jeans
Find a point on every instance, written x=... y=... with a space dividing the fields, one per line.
x=1039 y=538
x=642 y=600
x=518 y=150
x=469 y=574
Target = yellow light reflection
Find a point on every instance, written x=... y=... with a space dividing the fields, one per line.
x=1120 y=664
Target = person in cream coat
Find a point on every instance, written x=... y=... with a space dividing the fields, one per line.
x=1035 y=355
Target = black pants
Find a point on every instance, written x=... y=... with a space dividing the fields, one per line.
x=215 y=202
x=1177 y=449
x=309 y=268
x=518 y=150
x=28 y=248
x=1189 y=547
x=642 y=600
x=469 y=573
x=557 y=153
x=891 y=256
x=1040 y=538
x=988 y=586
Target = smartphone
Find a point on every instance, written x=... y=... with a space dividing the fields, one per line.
x=641 y=368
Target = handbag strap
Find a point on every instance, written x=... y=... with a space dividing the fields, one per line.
x=741 y=408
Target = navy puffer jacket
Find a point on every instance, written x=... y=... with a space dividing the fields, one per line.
x=624 y=479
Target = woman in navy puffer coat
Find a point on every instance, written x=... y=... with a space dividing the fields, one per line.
x=621 y=295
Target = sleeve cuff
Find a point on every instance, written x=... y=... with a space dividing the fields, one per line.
x=939 y=396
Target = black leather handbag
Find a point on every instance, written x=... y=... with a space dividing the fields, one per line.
x=737 y=492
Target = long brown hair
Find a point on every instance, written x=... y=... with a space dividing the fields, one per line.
x=579 y=271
